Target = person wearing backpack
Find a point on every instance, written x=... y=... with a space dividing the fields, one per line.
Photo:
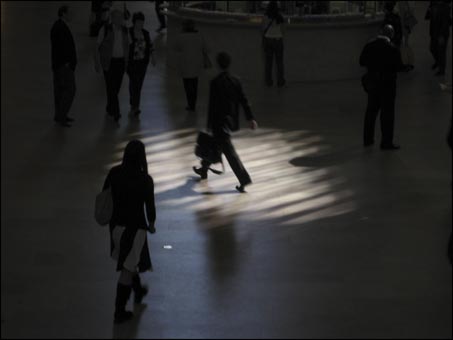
x=273 y=32
x=112 y=55
x=132 y=191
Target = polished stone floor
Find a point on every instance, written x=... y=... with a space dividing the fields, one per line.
x=330 y=242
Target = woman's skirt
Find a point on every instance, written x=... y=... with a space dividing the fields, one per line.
x=129 y=247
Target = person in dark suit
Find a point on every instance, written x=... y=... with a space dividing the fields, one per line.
x=382 y=60
x=132 y=191
x=439 y=14
x=226 y=94
x=64 y=61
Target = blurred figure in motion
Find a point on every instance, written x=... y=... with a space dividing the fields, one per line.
x=439 y=15
x=273 y=31
x=141 y=51
x=191 y=49
x=64 y=61
x=132 y=192
x=160 y=8
x=226 y=94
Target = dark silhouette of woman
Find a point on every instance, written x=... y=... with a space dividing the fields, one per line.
x=132 y=190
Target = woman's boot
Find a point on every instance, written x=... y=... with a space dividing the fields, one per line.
x=123 y=293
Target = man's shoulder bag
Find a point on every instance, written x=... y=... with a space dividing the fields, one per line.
x=208 y=150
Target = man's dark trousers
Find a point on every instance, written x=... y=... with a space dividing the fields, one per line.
x=382 y=100
x=223 y=139
x=274 y=47
x=113 y=79
x=137 y=73
x=439 y=52
x=191 y=88
x=64 y=91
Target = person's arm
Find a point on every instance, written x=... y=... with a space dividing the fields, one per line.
x=364 y=57
x=107 y=182
x=97 y=57
x=150 y=205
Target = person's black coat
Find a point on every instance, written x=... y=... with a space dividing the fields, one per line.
x=226 y=94
x=131 y=192
x=149 y=45
x=382 y=59
x=62 y=45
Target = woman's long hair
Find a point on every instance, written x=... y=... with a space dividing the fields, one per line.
x=273 y=12
x=134 y=159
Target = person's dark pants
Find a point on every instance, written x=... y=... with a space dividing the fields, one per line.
x=191 y=88
x=274 y=47
x=224 y=141
x=136 y=71
x=383 y=102
x=113 y=79
x=439 y=52
x=64 y=91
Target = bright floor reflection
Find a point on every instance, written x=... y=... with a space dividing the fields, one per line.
x=281 y=192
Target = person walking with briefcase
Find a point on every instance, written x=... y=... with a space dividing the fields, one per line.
x=226 y=94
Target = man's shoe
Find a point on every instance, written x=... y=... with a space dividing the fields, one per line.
x=390 y=147
x=69 y=119
x=241 y=188
x=368 y=144
x=201 y=172
x=435 y=65
x=440 y=73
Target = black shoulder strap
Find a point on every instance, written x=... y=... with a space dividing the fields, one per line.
x=268 y=27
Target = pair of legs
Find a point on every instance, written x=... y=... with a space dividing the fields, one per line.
x=439 y=52
x=383 y=101
x=274 y=47
x=191 y=88
x=136 y=71
x=127 y=282
x=113 y=80
x=226 y=146
x=64 y=92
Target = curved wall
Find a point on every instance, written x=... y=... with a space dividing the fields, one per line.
x=313 y=51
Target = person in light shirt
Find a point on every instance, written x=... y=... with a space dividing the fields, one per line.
x=273 y=32
x=112 y=54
